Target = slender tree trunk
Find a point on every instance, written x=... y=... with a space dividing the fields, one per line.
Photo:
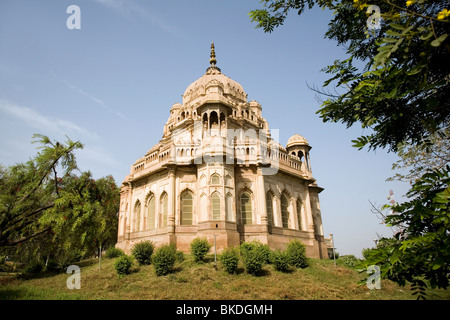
x=100 y=257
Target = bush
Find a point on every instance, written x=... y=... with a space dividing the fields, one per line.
x=66 y=258
x=113 y=252
x=265 y=252
x=296 y=252
x=33 y=267
x=143 y=251
x=281 y=261
x=199 y=248
x=51 y=266
x=263 y=249
x=179 y=256
x=253 y=262
x=254 y=255
x=229 y=259
x=123 y=265
x=164 y=259
x=349 y=260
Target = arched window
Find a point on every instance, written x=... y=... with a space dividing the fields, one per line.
x=284 y=211
x=246 y=208
x=213 y=120
x=299 y=214
x=186 y=208
x=137 y=216
x=215 y=205
x=215 y=178
x=164 y=210
x=269 y=207
x=151 y=213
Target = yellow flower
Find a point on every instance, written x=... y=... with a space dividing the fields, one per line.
x=410 y=2
x=443 y=14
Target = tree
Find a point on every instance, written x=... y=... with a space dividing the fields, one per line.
x=418 y=252
x=84 y=217
x=47 y=211
x=28 y=190
x=401 y=95
x=432 y=154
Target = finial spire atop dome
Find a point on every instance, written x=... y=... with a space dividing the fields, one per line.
x=212 y=60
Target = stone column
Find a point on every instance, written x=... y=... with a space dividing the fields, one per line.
x=171 y=201
x=129 y=211
x=261 y=200
x=309 y=218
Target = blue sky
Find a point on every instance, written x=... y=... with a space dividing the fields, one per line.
x=112 y=83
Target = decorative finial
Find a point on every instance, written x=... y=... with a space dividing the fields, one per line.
x=213 y=60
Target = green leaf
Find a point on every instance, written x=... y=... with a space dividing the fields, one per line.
x=415 y=70
x=397 y=26
x=389 y=40
x=393 y=33
x=437 y=42
x=426 y=37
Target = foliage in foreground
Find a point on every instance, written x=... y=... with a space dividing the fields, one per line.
x=402 y=94
x=142 y=252
x=296 y=251
x=50 y=214
x=229 y=259
x=200 y=248
x=164 y=259
x=113 y=252
x=281 y=261
x=123 y=265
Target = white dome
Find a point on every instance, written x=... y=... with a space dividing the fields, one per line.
x=297 y=140
x=214 y=82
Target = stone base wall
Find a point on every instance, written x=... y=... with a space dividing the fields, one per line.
x=228 y=234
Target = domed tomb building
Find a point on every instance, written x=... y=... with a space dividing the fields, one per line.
x=218 y=172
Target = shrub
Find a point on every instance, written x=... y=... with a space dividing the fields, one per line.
x=123 y=265
x=199 y=248
x=143 y=251
x=113 y=252
x=51 y=266
x=66 y=258
x=263 y=249
x=164 y=259
x=179 y=256
x=265 y=252
x=33 y=267
x=349 y=260
x=281 y=261
x=229 y=259
x=254 y=255
x=296 y=252
x=253 y=262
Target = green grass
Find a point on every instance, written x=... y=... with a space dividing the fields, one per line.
x=192 y=281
